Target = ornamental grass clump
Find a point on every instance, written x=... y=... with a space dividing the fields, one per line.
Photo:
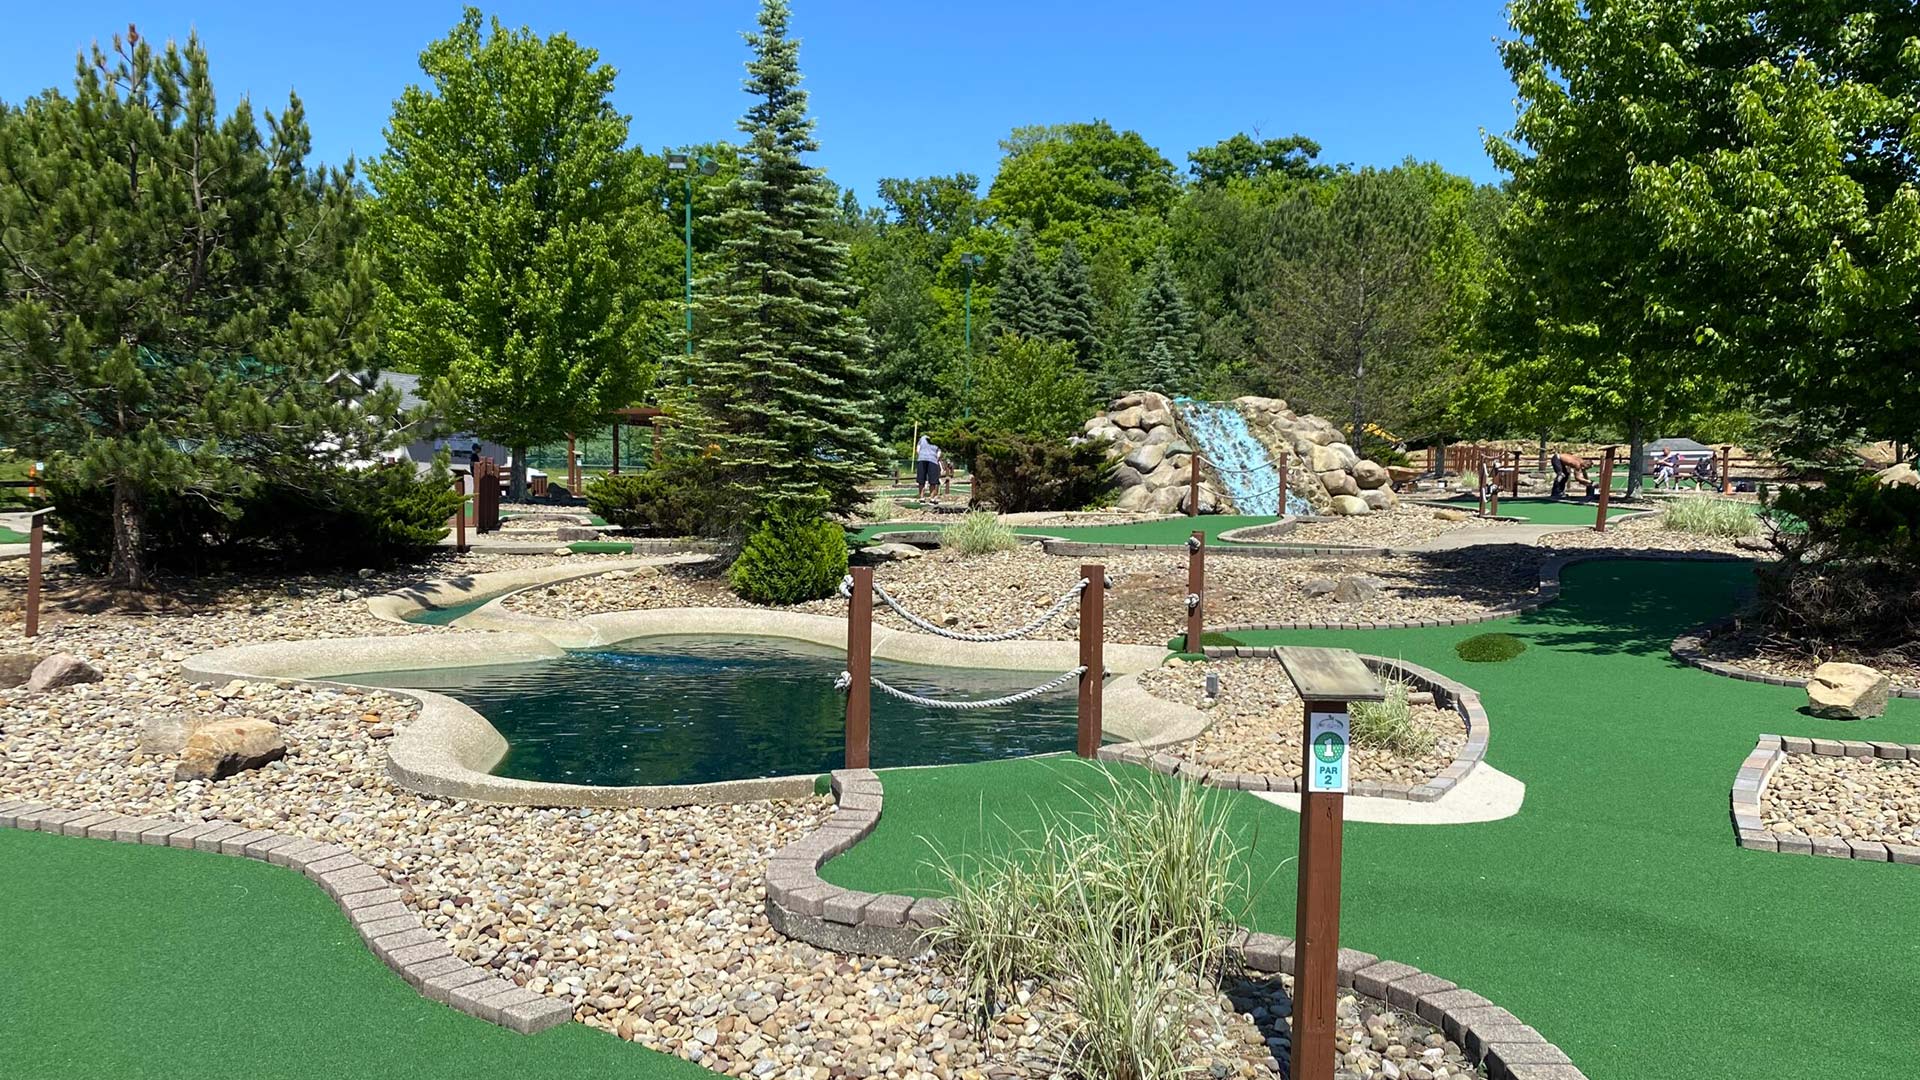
x=1122 y=909
x=881 y=508
x=1490 y=648
x=1388 y=725
x=979 y=533
x=1704 y=515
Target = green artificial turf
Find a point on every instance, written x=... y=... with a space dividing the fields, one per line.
x=600 y=547
x=142 y=962
x=1167 y=531
x=1614 y=912
x=1489 y=648
x=1549 y=511
x=10 y=536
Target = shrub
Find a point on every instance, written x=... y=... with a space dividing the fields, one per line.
x=979 y=533
x=793 y=556
x=1019 y=475
x=675 y=498
x=1490 y=648
x=1704 y=515
x=1848 y=577
x=328 y=517
x=1388 y=725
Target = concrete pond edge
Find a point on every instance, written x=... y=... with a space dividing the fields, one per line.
x=803 y=906
x=371 y=904
x=1750 y=786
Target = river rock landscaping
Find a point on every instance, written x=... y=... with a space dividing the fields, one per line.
x=1849 y=798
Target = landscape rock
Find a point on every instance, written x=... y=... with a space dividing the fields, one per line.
x=1356 y=590
x=1134 y=498
x=166 y=733
x=567 y=533
x=1335 y=456
x=1158 y=436
x=1370 y=475
x=16 y=668
x=1400 y=476
x=1448 y=513
x=1350 y=505
x=1147 y=456
x=877 y=553
x=1377 y=498
x=61 y=669
x=1840 y=691
x=1167 y=500
x=1127 y=476
x=1338 y=482
x=1901 y=475
x=563 y=552
x=1320 y=586
x=1127 y=417
x=221 y=749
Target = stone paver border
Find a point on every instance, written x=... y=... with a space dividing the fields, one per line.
x=1464 y=700
x=1690 y=648
x=1750 y=785
x=372 y=905
x=802 y=905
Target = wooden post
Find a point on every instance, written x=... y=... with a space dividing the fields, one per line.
x=1480 y=471
x=1493 y=492
x=460 y=515
x=860 y=667
x=1513 y=480
x=1193 y=485
x=616 y=447
x=1606 y=488
x=1430 y=459
x=1327 y=680
x=1196 y=591
x=36 y=545
x=1726 y=470
x=1093 y=603
x=1281 y=464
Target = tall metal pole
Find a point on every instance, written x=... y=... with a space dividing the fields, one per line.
x=689 y=208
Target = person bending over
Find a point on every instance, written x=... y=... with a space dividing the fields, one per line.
x=1564 y=468
x=926 y=468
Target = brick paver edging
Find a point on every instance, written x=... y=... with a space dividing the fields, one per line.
x=1464 y=700
x=1690 y=648
x=390 y=928
x=1547 y=592
x=1750 y=784
x=802 y=906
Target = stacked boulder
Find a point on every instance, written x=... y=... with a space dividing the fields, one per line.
x=1156 y=459
x=1322 y=468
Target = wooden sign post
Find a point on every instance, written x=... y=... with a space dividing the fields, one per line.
x=460 y=515
x=1327 y=681
x=1726 y=470
x=860 y=667
x=1193 y=486
x=1606 y=488
x=36 y=551
x=1093 y=605
x=1196 y=591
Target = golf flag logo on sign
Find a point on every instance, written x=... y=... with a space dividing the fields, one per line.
x=1327 y=735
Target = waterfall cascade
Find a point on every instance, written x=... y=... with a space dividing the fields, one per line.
x=1246 y=470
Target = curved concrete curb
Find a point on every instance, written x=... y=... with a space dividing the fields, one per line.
x=1690 y=649
x=803 y=906
x=389 y=927
x=1463 y=698
x=396 y=605
x=1546 y=593
x=1750 y=784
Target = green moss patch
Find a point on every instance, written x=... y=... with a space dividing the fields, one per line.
x=1490 y=648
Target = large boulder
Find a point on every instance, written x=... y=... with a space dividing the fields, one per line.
x=1334 y=455
x=1840 y=691
x=167 y=732
x=1370 y=475
x=1166 y=500
x=61 y=669
x=1356 y=590
x=1134 y=498
x=1156 y=418
x=1158 y=436
x=1147 y=456
x=1901 y=475
x=1169 y=475
x=1377 y=498
x=1209 y=503
x=1128 y=417
x=220 y=749
x=16 y=668
x=1338 y=482
x=1126 y=476
x=1402 y=475
x=1350 y=506
x=1153 y=403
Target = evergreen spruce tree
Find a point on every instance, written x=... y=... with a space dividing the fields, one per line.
x=1070 y=318
x=178 y=289
x=1162 y=333
x=779 y=388
x=1023 y=304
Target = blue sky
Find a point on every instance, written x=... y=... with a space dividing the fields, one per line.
x=904 y=88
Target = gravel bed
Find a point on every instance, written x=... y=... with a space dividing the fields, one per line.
x=1374 y=1041
x=1746 y=648
x=1401 y=525
x=1643 y=534
x=1146 y=605
x=1257 y=724
x=1850 y=798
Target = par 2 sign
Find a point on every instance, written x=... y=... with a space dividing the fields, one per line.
x=1328 y=752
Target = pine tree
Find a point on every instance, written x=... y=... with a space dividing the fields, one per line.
x=1162 y=332
x=780 y=390
x=1071 y=317
x=1023 y=304
x=177 y=292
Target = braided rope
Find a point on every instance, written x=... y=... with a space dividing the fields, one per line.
x=845 y=682
x=1041 y=620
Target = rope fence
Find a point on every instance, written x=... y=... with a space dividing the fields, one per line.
x=846 y=680
x=1044 y=619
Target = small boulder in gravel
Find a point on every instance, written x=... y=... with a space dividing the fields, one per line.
x=576 y=532
x=879 y=553
x=563 y=552
x=219 y=750
x=167 y=732
x=61 y=669
x=1319 y=586
x=1841 y=691
x=1350 y=506
x=1448 y=513
x=1355 y=590
x=16 y=668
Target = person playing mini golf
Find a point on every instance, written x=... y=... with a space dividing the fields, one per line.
x=1564 y=468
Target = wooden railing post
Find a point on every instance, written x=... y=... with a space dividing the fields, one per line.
x=36 y=549
x=1193 y=485
x=1281 y=464
x=1606 y=488
x=460 y=515
x=860 y=667
x=1196 y=591
x=1093 y=602
x=1480 y=472
x=1726 y=470
x=1513 y=480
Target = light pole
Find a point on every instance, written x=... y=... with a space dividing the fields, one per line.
x=968 y=261
x=707 y=167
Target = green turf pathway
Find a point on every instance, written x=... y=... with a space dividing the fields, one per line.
x=11 y=536
x=142 y=963
x=1550 y=511
x=1167 y=531
x=1614 y=912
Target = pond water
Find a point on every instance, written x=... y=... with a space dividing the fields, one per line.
x=695 y=709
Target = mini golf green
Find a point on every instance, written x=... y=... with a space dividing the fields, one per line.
x=1548 y=511
x=130 y=961
x=1614 y=912
x=11 y=536
x=1168 y=532
x=601 y=547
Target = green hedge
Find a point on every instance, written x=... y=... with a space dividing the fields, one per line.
x=793 y=556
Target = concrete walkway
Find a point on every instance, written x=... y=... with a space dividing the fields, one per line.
x=1486 y=794
x=1479 y=535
